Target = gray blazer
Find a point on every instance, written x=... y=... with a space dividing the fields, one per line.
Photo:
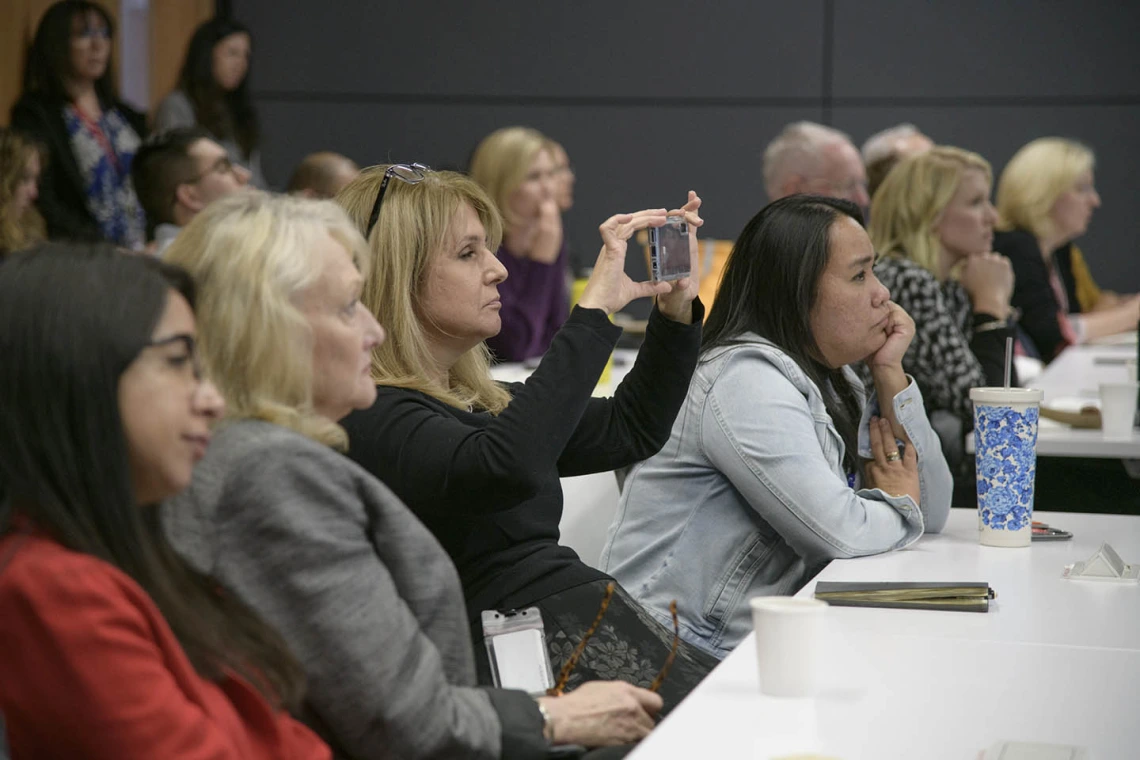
x=362 y=592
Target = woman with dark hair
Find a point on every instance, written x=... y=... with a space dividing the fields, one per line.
x=778 y=463
x=69 y=104
x=213 y=93
x=111 y=646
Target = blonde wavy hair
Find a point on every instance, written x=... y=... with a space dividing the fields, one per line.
x=1033 y=180
x=501 y=162
x=907 y=205
x=410 y=233
x=251 y=256
x=29 y=228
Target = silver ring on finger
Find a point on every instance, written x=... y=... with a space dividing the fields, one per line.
x=894 y=456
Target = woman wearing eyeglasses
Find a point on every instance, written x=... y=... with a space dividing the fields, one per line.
x=69 y=104
x=358 y=587
x=778 y=462
x=110 y=645
x=516 y=167
x=480 y=463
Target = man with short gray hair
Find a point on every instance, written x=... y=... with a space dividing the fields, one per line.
x=886 y=148
x=810 y=158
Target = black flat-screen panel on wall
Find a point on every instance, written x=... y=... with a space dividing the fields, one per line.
x=652 y=98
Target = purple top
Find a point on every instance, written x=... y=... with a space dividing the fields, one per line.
x=535 y=304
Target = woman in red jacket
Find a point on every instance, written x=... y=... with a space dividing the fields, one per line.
x=111 y=646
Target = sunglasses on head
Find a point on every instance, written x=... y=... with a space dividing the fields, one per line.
x=411 y=173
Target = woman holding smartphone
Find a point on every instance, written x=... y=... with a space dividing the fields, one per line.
x=358 y=587
x=480 y=463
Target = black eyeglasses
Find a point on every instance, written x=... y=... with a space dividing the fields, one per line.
x=190 y=360
x=411 y=173
x=222 y=166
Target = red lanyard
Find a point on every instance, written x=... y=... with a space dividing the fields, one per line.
x=100 y=137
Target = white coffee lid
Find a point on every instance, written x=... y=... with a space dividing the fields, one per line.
x=1007 y=395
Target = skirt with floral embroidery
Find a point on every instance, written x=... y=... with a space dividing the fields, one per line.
x=629 y=644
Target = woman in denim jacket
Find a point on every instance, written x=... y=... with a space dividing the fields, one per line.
x=777 y=462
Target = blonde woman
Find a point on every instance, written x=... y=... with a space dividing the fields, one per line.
x=361 y=591
x=516 y=167
x=20 y=165
x=1045 y=200
x=932 y=224
x=480 y=463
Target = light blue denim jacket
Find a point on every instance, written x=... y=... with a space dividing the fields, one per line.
x=749 y=497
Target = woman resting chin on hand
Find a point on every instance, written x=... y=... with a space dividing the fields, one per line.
x=779 y=461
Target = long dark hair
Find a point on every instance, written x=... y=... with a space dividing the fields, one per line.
x=225 y=114
x=49 y=58
x=769 y=287
x=72 y=319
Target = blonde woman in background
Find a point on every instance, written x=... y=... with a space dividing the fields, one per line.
x=516 y=167
x=1045 y=200
x=932 y=224
x=362 y=592
x=480 y=463
x=20 y=165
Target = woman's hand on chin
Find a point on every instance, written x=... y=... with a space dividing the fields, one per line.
x=899 y=333
x=548 y=234
x=677 y=304
x=609 y=287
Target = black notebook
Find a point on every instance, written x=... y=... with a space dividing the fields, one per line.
x=962 y=597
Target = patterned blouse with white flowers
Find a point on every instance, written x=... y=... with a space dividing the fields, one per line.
x=104 y=149
x=947 y=356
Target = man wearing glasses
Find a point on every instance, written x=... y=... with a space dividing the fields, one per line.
x=178 y=173
x=810 y=158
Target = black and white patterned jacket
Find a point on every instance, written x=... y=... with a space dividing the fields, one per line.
x=947 y=356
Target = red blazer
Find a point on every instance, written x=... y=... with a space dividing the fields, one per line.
x=89 y=668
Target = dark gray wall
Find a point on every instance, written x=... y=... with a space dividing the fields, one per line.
x=653 y=98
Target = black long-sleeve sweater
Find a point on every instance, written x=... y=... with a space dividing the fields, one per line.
x=488 y=485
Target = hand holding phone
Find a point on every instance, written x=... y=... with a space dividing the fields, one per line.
x=677 y=303
x=669 y=250
x=609 y=287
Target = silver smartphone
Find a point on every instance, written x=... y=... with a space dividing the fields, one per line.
x=516 y=648
x=669 y=250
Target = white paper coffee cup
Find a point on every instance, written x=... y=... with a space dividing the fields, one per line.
x=789 y=644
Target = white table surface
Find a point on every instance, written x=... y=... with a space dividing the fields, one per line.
x=1034 y=603
x=1054 y=661
x=1070 y=381
x=895 y=696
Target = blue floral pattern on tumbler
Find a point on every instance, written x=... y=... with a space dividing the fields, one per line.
x=1005 y=446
